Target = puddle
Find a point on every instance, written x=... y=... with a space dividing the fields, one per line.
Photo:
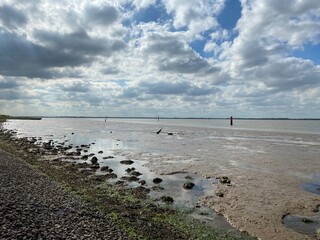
x=313 y=187
x=305 y=225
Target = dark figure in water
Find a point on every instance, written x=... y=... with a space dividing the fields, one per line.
x=159 y=131
x=231 y=121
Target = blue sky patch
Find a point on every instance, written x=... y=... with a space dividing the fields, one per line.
x=230 y=15
x=310 y=51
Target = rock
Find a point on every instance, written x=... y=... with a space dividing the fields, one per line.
x=170 y=133
x=95 y=166
x=100 y=152
x=108 y=157
x=156 y=188
x=188 y=185
x=94 y=160
x=104 y=168
x=224 y=180
x=142 y=182
x=135 y=173
x=85 y=157
x=157 y=180
x=130 y=178
x=166 y=199
x=188 y=177
x=307 y=220
x=219 y=194
x=129 y=170
x=111 y=176
x=126 y=162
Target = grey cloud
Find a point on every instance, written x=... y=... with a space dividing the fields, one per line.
x=6 y=84
x=9 y=94
x=289 y=73
x=12 y=17
x=110 y=70
x=173 y=55
x=79 y=43
x=77 y=87
x=155 y=89
x=21 y=57
x=165 y=87
x=103 y=16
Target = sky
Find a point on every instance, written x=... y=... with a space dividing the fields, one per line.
x=172 y=58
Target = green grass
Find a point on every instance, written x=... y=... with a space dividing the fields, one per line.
x=3 y=118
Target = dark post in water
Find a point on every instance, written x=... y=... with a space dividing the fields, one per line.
x=231 y=121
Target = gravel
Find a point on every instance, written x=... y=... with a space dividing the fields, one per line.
x=34 y=207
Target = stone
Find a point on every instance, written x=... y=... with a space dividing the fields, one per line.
x=157 y=180
x=126 y=162
x=130 y=178
x=135 y=173
x=224 y=180
x=188 y=185
x=104 y=168
x=94 y=160
x=166 y=199
x=142 y=182
x=170 y=134
x=307 y=220
x=100 y=152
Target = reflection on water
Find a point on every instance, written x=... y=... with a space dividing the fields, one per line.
x=289 y=148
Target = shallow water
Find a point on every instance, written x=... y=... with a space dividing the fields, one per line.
x=198 y=148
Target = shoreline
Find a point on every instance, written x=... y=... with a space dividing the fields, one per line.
x=126 y=205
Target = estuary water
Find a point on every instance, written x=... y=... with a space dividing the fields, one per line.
x=270 y=162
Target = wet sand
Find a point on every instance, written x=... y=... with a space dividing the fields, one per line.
x=266 y=169
x=265 y=186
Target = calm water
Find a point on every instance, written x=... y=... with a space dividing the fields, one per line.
x=185 y=147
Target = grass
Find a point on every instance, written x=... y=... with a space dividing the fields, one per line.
x=3 y=118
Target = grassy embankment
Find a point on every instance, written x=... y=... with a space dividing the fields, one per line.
x=131 y=210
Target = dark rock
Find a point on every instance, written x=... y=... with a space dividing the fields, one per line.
x=129 y=170
x=307 y=220
x=170 y=134
x=94 y=160
x=157 y=188
x=219 y=194
x=166 y=199
x=157 y=180
x=104 y=168
x=85 y=157
x=188 y=185
x=111 y=176
x=95 y=166
x=91 y=154
x=135 y=173
x=100 y=152
x=126 y=162
x=188 y=177
x=224 y=180
x=108 y=157
x=130 y=178
x=142 y=182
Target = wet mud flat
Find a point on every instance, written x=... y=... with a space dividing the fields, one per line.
x=139 y=197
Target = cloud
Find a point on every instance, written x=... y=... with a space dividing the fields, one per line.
x=77 y=87
x=79 y=43
x=196 y=15
x=7 y=84
x=11 y=17
x=170 y=54
x=101 y=15
x=21 y=57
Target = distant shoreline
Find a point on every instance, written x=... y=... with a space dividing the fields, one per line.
x=168 y=118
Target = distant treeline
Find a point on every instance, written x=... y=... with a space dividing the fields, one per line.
x=3 y=118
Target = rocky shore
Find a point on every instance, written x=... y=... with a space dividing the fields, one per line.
x=42 y=198
x=34 y=207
